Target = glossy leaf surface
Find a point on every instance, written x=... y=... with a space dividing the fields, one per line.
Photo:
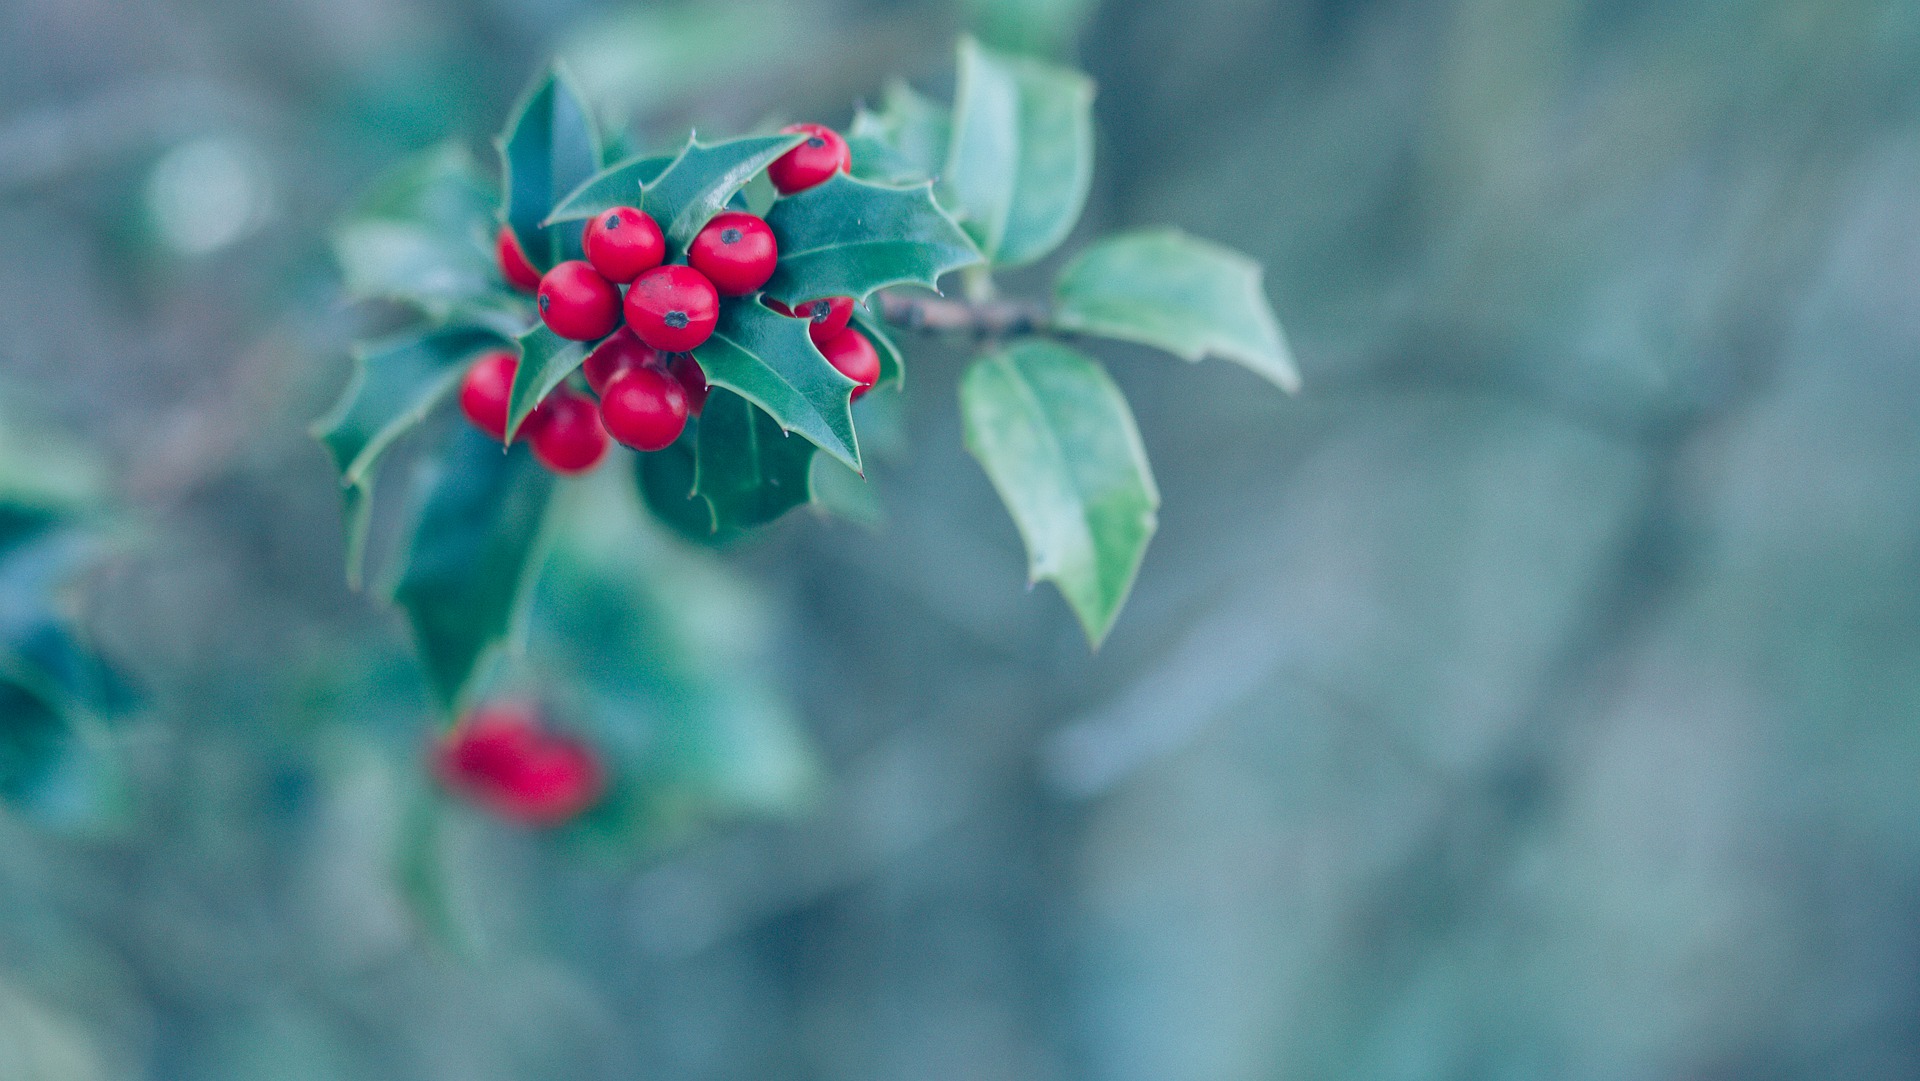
x=545 y=360
x=616 y=185
x=849 y=237
x=1058 y=441
x=769 y=359
x=1191 y=297
x=701 y=181
x=1021 y=157
x=548 y=150
x=474 y=552
x=747 y=469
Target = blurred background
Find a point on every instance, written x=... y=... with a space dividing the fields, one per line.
x=1537 y=695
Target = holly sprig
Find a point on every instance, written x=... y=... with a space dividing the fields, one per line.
x=935 y=195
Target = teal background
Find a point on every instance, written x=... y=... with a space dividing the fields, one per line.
x=1537 y=695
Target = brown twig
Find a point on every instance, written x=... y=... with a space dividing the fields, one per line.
x=979 y=319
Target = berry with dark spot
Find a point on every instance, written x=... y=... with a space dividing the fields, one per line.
x=672 y=308
x=736 y=252
x=577 y=303
x=825 y=317
x=624 y=243
x=820 y=155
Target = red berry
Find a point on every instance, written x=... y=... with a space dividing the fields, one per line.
x=578 y=303
x=645 y=408
x=692 y=379
x=672 y=308
x=820 y=155
x=624 y=242
x=566 y=432
x=616 y=355
x=484 y=392
x=503 y=758
x=825 y=317
x=735 y=251
x=514 y=264
x=854 y=356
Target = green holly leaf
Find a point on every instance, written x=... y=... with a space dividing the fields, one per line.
x=908 y=133
x=549 y=149
x=747 y=468
x=849 y=237
x=703 y=179
x=768 y=358
x=616 y=185
x=474 y=554
x=893 y=363
x=546 y=359
x=1021 y=158
x=1059 y=443
x=422 y=236
x=394 y=386
x=1163 y=288
x=665 y=478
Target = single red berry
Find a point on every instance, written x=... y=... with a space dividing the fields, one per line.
x=645 y=408
x=623 y=243
x=672 y=308
x=484 y=392
x=735 y=251
x=854 y=356
x=825 y=317
x=616 y=355
x=578 y=303
x=514 y=264
x=503 y=758
x=566 y=432
x=692 y=379
x=820 y=155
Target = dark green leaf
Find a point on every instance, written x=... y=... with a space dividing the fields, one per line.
x=1059 y=443
x=616 y=185
x=666 y=483
x=746 y=468
x=1163 y=288
x=911 y=129
x=394 y=386
x=893 y=363
x=550 y=148
x=545 y=360
x=1021 y=158
x=423 y=235
x=848 y=237
x=702 y=179
x=768 y=358
x=475 y=552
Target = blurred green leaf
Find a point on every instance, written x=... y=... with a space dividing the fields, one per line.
x=769 y=359
x=703 y=179
x=1021 y=157
x=638 y=58
x=746 y=467
x=1059 y=443
x=550 y=147
x=394 y=386
x=474 y=554
x=1036 y=27
x=841 y=492
x=546 y=359
x=616 y=185
x=893 y=363
x=423 y=235
x=663 y=651
x=913 y=130
x=1191 y=297
x=665 y=479
x=849 y=237
x=38 y=1043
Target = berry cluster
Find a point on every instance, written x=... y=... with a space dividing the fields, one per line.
x=502 y=757
x=647 y=384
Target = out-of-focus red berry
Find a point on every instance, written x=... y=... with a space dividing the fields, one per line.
x=502 y=757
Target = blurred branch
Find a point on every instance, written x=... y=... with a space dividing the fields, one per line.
x=982 y=319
